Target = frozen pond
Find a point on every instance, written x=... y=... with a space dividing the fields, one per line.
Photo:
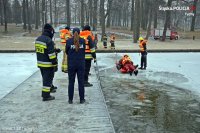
x=163 y=98
x=14 y=69
x=178 y=69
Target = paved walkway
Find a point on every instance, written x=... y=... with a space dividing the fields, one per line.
x=22 y=110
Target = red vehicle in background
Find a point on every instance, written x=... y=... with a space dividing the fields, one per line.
x=172 y=35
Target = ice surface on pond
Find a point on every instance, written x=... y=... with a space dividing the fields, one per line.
x=14 y=69
x=178 y=69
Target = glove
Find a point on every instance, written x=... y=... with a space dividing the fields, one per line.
x=57 y=50
x=95 y=60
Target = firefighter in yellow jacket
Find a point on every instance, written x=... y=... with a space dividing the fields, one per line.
x=143 y=51
x=64 y=35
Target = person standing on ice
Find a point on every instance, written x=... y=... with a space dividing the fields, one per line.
x=143 y=51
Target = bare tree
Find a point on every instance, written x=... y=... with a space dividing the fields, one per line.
x=155 y=14
x=68 y=12
x=5 y=14
x=102 y=14
x=1 y=11
x=90 y=11
x=132 y=14
x=82 y=13
x=144 y=12
x=167 y=20
x=36 y=14
x=28 y=16
x=137 y=22
x=150 y=19
x=43 y=13
x=109 y=9
x=95 y=15
x=195 y=14
x=17 y=12
x=51 y=15
x=24 y=14
x=55 y=13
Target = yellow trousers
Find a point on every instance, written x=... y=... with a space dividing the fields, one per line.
x=64 y=60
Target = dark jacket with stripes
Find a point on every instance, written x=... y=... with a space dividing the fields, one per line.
x=45 y=51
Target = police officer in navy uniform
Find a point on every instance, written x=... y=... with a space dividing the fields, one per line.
x=46 y=60
x=75 y=49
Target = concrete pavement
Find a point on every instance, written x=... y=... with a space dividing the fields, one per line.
x=23 y=110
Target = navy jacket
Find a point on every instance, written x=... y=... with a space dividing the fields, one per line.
x=45 y=51
x=73 y=56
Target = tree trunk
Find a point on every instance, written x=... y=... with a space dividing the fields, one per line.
x=102 y=14
x=28 y=16
x=155 y=16
x=43 y=13
x=90 y=11
x=5 y=15
x=51 y=15
x=1 y=11
x=137 y=22
x=194 y=17
x=150 y=21
x=109 y=8
x=24 y=14
x=68 y=12
x=36 y=14
x=87 y=14
x=167 y=20
x=55 y=14
x=75 y=14
x=95 y=15
x=132 y=15
x=82 y=13
x=32 y=19
x=119 y=18
x=145 y=12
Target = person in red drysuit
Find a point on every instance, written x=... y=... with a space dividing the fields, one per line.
x=126 y=65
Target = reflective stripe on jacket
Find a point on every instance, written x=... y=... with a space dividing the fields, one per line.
x=89 y=43
x=45 y=51
x=142 y=45
x=64 y=35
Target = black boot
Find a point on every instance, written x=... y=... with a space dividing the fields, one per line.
x=70 y=101
x=87 y=84
x=140 y=68
x=136 y=72
x=53 y=89
x=48 y=98
x=130 y=72
x=136 y=66
x=82 y=101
